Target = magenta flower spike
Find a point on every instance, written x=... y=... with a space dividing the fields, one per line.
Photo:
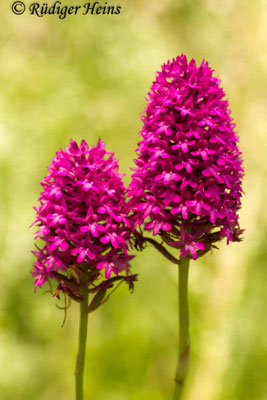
x=186 y=186
x=83 y=224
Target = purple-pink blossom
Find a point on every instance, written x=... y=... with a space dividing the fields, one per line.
x=82 y=219
x=186 y=186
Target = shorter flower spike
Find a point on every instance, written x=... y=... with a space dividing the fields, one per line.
x=82 y=220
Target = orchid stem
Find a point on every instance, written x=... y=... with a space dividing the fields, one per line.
x=184 y=337
x=80 y=361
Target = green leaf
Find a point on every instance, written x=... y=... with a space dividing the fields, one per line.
x=97 y=300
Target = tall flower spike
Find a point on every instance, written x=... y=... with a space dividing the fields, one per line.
x=83 y=223
x=187 y=184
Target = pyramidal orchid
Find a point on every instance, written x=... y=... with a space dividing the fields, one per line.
x=186 y=186
x=85 y=232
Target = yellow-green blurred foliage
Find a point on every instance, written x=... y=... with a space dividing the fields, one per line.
x=87 y=77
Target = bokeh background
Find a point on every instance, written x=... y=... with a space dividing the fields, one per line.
x=87 y=77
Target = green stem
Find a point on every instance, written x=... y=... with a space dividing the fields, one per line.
x=79 y=371
x=184 y=338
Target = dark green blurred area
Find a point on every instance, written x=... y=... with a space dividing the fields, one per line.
x=87 y=77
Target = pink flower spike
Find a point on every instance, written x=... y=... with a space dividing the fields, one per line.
x=83 y=218
x=197 y=184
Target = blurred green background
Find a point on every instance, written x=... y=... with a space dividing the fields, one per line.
x=87 y=77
